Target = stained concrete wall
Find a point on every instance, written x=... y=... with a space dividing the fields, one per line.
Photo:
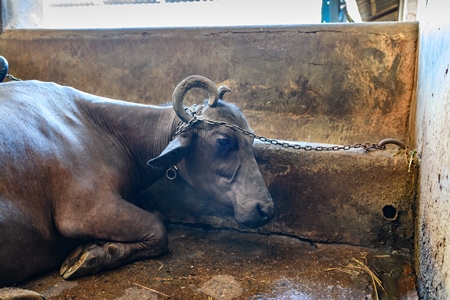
x=433 y=143
x=340 y=84
x=336 y=84
x=355 y=197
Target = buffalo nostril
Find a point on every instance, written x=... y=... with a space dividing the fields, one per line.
x=263 y=212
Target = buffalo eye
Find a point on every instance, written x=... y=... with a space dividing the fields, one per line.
x=223 y=145
x=223 y=142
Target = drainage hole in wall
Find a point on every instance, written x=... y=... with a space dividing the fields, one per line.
x=390 y=212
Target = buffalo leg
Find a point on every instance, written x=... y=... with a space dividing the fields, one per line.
x=121 y=233
x=94 y=257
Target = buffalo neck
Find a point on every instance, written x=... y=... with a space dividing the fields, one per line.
x=139 y=132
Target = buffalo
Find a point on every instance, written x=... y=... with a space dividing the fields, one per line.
x=71 y=164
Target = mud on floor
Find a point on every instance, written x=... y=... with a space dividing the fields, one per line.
x=226 y=264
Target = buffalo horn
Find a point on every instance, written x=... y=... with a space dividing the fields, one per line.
x=194 y=81
x=222 y=90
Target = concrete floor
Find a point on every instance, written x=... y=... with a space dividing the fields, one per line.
x=227 y=264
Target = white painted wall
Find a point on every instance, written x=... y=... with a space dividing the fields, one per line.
x=433 y=144
x=22 y=13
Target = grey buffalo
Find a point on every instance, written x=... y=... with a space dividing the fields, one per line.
x=71 y=164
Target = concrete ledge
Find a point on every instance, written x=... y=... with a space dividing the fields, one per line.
x=351 y=197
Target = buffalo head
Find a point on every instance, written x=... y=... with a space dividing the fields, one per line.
x=217 y=160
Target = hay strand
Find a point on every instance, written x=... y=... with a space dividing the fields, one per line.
x=355 y=267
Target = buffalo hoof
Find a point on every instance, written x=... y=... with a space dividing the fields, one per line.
x=16 y=294
x=86 y=259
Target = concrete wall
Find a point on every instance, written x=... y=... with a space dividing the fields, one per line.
x=351 y=197
x=12 y=12
x=433 y=143
x=345 y=84
x=328 y=83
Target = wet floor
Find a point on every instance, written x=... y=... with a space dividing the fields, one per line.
x=226 y=264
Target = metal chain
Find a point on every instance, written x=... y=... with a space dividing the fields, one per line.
x=182 y=127
x=11 y=77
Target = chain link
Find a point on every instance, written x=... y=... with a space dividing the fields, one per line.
x=182 y=127
x=11 y=77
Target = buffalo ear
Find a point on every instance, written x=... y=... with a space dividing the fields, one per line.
x=174 y=152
